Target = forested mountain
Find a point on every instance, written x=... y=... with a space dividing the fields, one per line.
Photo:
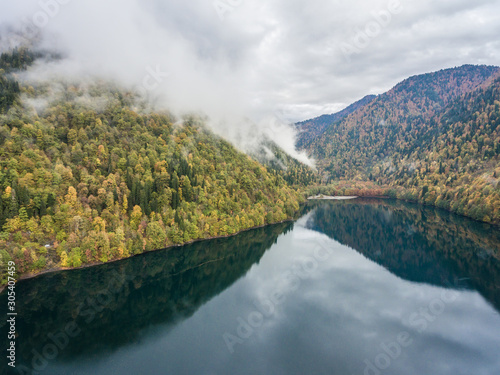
x=433 y=138
x=278 y=162
x=311 y=129
x=86 y=177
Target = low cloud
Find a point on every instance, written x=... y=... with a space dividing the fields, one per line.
x=258 y=59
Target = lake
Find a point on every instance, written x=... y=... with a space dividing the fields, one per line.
x=352 y=287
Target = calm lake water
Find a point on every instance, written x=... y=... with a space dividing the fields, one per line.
x=352 y=287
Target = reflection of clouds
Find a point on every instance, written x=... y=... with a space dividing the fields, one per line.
x=369 y=301
x=367 y=296
x=411 y=230
x=485 y=253
x=337 y=318
x=353 y=305
x=387 y=215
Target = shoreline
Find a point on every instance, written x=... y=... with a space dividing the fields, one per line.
x=338 y=198
x=62 y=269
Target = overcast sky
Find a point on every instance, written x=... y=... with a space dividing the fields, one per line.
x=294 y=58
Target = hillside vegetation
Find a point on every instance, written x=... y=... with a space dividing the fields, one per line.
x=311 y=129
x=434 y=138
x=89 y=178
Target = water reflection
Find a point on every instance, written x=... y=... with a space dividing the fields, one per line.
x=113 y=305
x=417 y=243
x=361 y=287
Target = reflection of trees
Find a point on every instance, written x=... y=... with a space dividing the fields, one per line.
x=416 y=243
x=162 y=287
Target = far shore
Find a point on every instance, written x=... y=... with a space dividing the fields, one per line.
x=329 y=197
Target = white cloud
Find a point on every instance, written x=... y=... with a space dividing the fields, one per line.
x=265 y=56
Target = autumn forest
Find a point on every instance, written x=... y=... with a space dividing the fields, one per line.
x=89 y=175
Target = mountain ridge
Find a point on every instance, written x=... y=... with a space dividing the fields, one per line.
x=432 y=138
x=318 y=124
x=401 y=86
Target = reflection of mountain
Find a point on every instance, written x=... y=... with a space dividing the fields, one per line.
x=417 y=243
x=161 y=287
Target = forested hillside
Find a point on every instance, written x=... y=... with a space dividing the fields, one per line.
x=165 y=287
x=434 y=138
x=278 y=162
x=89 y=178
x=311 y=129
x=87 y=175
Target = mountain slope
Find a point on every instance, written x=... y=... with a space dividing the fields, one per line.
x=435 y=138
x=311 y=129
x=86 y=179
x=394 y=121
x=278 y=162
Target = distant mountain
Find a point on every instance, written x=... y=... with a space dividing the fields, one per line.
x=313 y=128
x=435 y=138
